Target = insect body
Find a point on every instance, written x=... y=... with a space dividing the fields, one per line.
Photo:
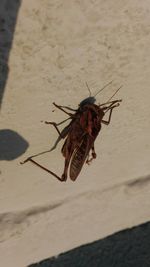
x=84 y=128
x=79 y=135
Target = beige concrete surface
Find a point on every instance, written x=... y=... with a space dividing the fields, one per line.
x=57 y=47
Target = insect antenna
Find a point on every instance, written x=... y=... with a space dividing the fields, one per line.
x=88 y=89
x=115 y=93
x=113 y=102
x=103 y=88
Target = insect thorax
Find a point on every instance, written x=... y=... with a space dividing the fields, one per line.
x=88 y=100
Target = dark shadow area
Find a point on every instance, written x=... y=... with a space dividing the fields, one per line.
x=128 y=248
x=12 y=145
x=8 y=16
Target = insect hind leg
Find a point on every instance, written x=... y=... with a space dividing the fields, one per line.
x=36 y=155
x=43 y=168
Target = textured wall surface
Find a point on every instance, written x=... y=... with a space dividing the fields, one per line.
x=54 y=49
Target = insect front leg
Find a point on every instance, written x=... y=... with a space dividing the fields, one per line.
x=111 y=107
x=111 y=102
x=59 y=106
x=62 y=109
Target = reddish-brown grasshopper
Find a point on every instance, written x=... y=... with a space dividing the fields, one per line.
x=80 y=134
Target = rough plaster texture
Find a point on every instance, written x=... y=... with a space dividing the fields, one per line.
x=56 y=47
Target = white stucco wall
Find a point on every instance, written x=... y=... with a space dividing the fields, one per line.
x=57 y=47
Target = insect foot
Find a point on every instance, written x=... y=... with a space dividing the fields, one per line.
x=26 y=160
x=63 y=178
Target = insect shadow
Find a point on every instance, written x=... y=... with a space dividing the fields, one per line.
x=80 y=134
x=12 y=145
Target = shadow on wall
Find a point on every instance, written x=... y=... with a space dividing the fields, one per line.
x=128 y=248
x=12 y=145
x=8 y=16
